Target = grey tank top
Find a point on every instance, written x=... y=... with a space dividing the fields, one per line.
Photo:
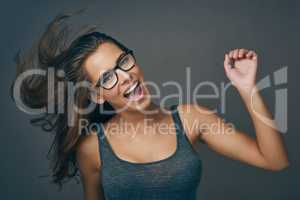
x=174 y=177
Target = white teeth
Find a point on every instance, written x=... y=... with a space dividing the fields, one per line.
x=131 y=88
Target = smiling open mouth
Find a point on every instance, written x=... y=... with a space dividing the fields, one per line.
x=135 y=92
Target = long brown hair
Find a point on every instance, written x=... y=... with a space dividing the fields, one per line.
x=57 y=51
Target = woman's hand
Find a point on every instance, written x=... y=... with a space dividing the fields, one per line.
x=240 y=67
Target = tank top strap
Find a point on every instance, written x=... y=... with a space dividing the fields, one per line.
x=100 y=131
x=104 y=148
x=176 y=117
x=183 y=140
x=178 y=124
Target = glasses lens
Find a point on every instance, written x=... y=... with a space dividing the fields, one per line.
x=127 y=62
x=108 y=79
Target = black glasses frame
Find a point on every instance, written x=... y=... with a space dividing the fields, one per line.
x=98 y=84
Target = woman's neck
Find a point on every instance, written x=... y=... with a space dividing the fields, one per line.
x=152 y=113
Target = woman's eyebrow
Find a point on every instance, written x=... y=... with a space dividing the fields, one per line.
x=120 y=57
x=118 y=60
x=116 y=64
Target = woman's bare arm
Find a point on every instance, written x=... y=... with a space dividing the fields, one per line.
x=88 y=160
x=267 y=150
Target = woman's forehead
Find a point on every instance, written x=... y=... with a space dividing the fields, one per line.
x=102 y=59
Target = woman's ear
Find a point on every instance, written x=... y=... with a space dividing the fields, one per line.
x=96 y=96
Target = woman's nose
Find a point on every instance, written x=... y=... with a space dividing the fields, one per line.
x=124 y=77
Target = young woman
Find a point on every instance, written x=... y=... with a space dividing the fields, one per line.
x=143 y=162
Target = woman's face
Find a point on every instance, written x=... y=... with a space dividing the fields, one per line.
x=130 y=91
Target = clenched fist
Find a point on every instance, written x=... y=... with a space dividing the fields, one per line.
x=240 y=67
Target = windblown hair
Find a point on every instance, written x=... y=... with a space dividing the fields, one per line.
x=57 y=50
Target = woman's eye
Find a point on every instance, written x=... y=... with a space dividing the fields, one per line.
x=124 y=60
x=107 y=76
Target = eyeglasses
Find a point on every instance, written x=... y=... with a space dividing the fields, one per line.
x=110 y=78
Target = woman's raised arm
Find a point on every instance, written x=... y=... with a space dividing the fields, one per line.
x=267 y=150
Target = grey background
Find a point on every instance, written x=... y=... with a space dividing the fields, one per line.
x=167 y=36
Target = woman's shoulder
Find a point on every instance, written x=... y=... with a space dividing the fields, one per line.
x=87 y=151
x=193 y=116
x=89 y=165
